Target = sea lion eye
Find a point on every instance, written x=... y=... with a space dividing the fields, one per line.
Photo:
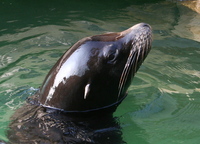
x=112 y=56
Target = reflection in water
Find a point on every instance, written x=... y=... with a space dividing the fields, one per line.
x=188 y=24
x=163 y=102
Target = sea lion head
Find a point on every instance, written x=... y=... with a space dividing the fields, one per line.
x=96 y=72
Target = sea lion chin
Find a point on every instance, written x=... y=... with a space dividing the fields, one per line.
x=96 y=71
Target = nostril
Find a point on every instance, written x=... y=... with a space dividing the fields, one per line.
x=145 y=25
x=139 y=27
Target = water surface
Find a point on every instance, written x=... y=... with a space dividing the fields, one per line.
x=163 y=104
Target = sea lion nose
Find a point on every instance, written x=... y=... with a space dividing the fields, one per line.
x=140 y=26
x=145 y=25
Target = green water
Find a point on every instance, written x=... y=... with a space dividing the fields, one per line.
x=163 y=105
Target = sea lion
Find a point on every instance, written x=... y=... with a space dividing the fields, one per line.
x=82 y=90
x=96 y=72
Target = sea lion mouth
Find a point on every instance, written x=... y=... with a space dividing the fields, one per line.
x=141 y=35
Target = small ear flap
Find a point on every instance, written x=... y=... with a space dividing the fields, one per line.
x=87 y=90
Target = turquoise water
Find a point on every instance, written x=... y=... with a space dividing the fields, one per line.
x=163 y=104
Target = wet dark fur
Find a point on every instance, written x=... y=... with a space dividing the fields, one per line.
x=35 y=124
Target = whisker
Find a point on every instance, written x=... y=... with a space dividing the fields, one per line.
x=126 y=70
x=137 y=54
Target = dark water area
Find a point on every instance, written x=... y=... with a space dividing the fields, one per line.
x=163 y=104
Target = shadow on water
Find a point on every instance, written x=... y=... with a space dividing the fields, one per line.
x=18 y=16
